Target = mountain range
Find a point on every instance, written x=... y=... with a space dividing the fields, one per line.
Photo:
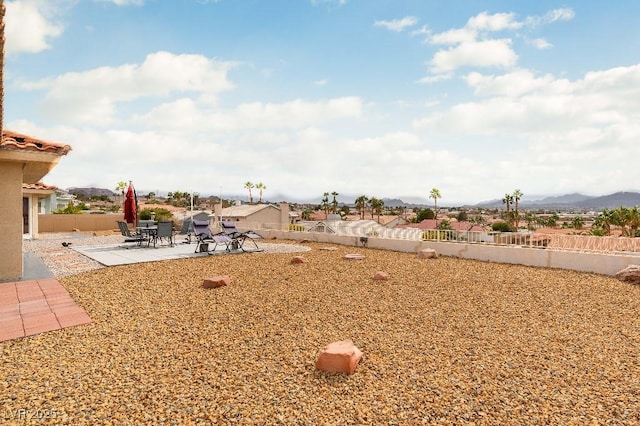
x=573 y=202
x=563 y=202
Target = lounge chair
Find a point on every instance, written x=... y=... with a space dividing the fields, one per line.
x=128 y=236
x=204 y=237
x=239 y=237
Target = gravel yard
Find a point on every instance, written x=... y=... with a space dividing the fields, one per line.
x=445 y=340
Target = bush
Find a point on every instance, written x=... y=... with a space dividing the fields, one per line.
x=501 y=227
x=161 y=214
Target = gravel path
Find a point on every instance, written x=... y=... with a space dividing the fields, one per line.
x=445 y=341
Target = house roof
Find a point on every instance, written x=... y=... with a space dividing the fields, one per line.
x=245 y=210
x=39 y=186
x=16 y=141
x=36 y=156
x=433 y=224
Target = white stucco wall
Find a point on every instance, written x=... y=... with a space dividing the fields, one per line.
x=607 y=264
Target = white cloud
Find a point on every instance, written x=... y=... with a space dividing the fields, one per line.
x=495 y=22
x=28 y=26
x=397 y=25
x=435 y=78
x=187 y=113
x=484 y=54
x=473 y=45
x=90 y=96
x=540 y=43
x=123 y=2
x=322 y=82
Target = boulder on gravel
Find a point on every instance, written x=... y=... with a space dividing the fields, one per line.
x=216 y=281
x=340 y=357
x=428 y=253
x=629 y=274
x=381 y=276
x=298 y=259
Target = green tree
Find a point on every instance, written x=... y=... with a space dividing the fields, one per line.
x=508 y=200
x=361 y=204
x=324 y=205
x=577 y=222
x=260 y=187
x=376 y=207
x=517 y=195
x=334 y=202
x=444 y=225
x=425 y=214
x=249 y=186
x=435 y=194
x=463 y=216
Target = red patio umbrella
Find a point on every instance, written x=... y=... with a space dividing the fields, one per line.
x=130 y=214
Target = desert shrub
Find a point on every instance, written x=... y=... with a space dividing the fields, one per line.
x=501 y=227
x=161 y=214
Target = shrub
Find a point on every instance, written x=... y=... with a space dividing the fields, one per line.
x=501 y=227
x=161 y=214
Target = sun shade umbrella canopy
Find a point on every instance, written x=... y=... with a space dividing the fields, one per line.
x=130 y=205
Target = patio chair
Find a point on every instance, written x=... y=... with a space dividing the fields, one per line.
x=128 y=236
x=204 y=237
x=187 y=230
x=240 y=237
x=165 y=230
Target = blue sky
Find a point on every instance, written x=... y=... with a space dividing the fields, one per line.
x=363 y=97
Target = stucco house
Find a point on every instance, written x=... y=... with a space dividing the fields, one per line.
x=23 y=160
x=33 y=194
x=251 y=214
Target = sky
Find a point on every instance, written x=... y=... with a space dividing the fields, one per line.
x=383 y=98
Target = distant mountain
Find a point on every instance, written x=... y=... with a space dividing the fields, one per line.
x=574 y=202
x=612 y=201
x=91 y=192
x=562 y=199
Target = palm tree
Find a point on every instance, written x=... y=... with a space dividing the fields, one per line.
x=260 y=187
x=361 y=204
x=376 y=206
x=248 y=185
x=334 y=203
x=325 y=203
x=517 y=195
x=508 y=200
x=120 y=187
x=435 y=194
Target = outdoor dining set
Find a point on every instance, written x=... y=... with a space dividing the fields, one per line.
x=148 y=232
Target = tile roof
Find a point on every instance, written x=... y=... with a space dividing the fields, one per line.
x=39 y=186
x=19 y=142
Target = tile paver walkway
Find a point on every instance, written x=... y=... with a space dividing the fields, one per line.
x=36 y=306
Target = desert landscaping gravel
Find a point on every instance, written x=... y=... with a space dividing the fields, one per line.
x=445 y=341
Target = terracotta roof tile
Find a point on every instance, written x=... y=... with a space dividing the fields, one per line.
x=16 y=141
x=39 y=186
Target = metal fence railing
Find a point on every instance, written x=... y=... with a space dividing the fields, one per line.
x=586 y=243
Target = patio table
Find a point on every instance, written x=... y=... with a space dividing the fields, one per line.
x=149 y=231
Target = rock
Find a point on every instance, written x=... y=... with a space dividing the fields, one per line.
x=381 y=276
x=354 y=256
x=331 y=248
x=216 y=281
x=341 y=357
x=629 y=274
x=428 y=253
x=298 y=259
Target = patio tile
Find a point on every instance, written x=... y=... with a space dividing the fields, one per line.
x=10 y=335
x=43 y=322
x=12 y=324
x=33 y=307
x=73 y=320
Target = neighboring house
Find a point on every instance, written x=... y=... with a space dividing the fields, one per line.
x=56 y=201
x=23 y=160
x=33 y=195
x=250 y=214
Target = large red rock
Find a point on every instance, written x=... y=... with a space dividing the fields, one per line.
x=298 y=259
x=428 y=253
x=381 y=276
x=216 y=281
x=629 y=274
x=340 y=357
